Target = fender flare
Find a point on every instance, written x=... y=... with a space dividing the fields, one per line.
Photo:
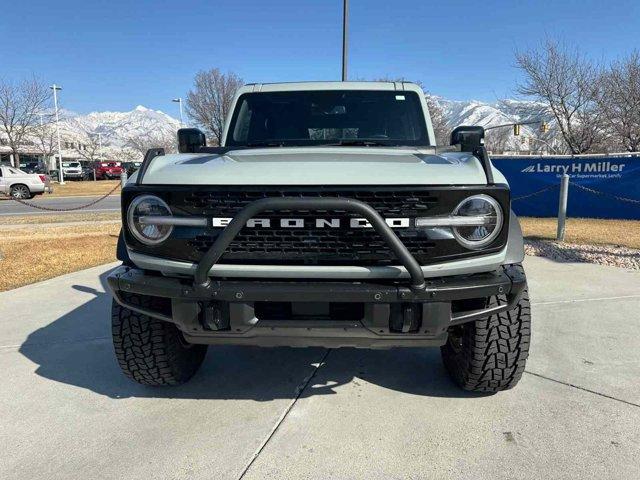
x=121 y=250
x=515 y=241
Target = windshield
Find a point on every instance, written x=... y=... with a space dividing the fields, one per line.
x=338 y=117
x=72 y=164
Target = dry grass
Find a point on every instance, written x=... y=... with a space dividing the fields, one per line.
x=77 y=188
x=32 y=254
x=586 y=230
x=58 y=218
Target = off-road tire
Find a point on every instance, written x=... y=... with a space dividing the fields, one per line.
x=152 y=352
x=489 y=355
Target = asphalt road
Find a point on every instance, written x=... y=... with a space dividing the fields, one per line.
x=66 y=411
x=10 y=207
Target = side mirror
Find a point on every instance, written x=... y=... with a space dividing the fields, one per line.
x=190 y=140
x=469 y=138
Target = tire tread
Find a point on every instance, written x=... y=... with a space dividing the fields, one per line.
x=151 y=351
x=494 y=350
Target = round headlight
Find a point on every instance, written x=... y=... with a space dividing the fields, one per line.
x=484 y=223
x=140 y=221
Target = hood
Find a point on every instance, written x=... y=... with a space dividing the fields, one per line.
x=318 y=166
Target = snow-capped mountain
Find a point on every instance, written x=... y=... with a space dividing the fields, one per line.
x=118 y=128
x=484 y=114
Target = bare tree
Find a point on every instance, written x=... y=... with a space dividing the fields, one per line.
x=619 y=102
x=209 y=102
x=441 y=128
x=568 y=84
x=551 y=142
x=44 y=136
x=142 y=142
x=87 y=144
x=20 y=104
x=498 y=140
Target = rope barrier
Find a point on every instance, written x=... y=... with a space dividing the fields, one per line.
x=581 y=187
x=605 y=194
x=70 y=209
x=546 y=189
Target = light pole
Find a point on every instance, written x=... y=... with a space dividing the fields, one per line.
x=55 y=89
x=179 y=102
x=44 y=163
x=345 y=32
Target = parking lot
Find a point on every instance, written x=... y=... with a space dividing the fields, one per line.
x=68 y=412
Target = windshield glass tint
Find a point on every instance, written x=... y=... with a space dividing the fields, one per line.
x=328 y=117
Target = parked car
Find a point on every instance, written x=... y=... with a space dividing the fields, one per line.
x=108 y=170
x=32 y=167
x=132 y=167
x=87 y=171
x=72 y=170
x=23 y=185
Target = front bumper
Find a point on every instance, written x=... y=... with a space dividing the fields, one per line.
x=229 y=312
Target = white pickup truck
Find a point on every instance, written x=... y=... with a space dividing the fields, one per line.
x=23 y=185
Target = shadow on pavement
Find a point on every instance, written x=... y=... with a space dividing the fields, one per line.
x=76 y=350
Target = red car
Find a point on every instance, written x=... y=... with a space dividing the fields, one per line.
x=108 y=170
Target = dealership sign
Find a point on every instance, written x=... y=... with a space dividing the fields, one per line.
x=610 y=185
x=606 y=168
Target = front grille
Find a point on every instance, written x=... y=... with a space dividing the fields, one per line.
x=388 y=203
x=312 y=245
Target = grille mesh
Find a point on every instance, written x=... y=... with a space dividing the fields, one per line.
x=387 y=203
x=312 y=245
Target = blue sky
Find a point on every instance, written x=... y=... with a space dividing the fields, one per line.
x=114 y=54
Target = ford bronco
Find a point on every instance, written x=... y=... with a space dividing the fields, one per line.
x=328 y=217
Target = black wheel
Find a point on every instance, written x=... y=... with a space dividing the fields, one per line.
x=20 y=192
x=489 y=355
x=150 y=351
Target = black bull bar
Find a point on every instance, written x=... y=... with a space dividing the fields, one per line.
x=347 y=204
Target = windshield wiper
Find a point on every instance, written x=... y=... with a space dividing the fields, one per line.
x=356 y=143
x=265 y=144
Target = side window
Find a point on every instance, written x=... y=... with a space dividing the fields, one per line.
x=0 y=172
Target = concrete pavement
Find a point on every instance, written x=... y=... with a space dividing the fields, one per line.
x=10 y=207
x=67 y=412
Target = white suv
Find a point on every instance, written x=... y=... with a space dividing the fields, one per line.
x=72 y=170
x=21 y=185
